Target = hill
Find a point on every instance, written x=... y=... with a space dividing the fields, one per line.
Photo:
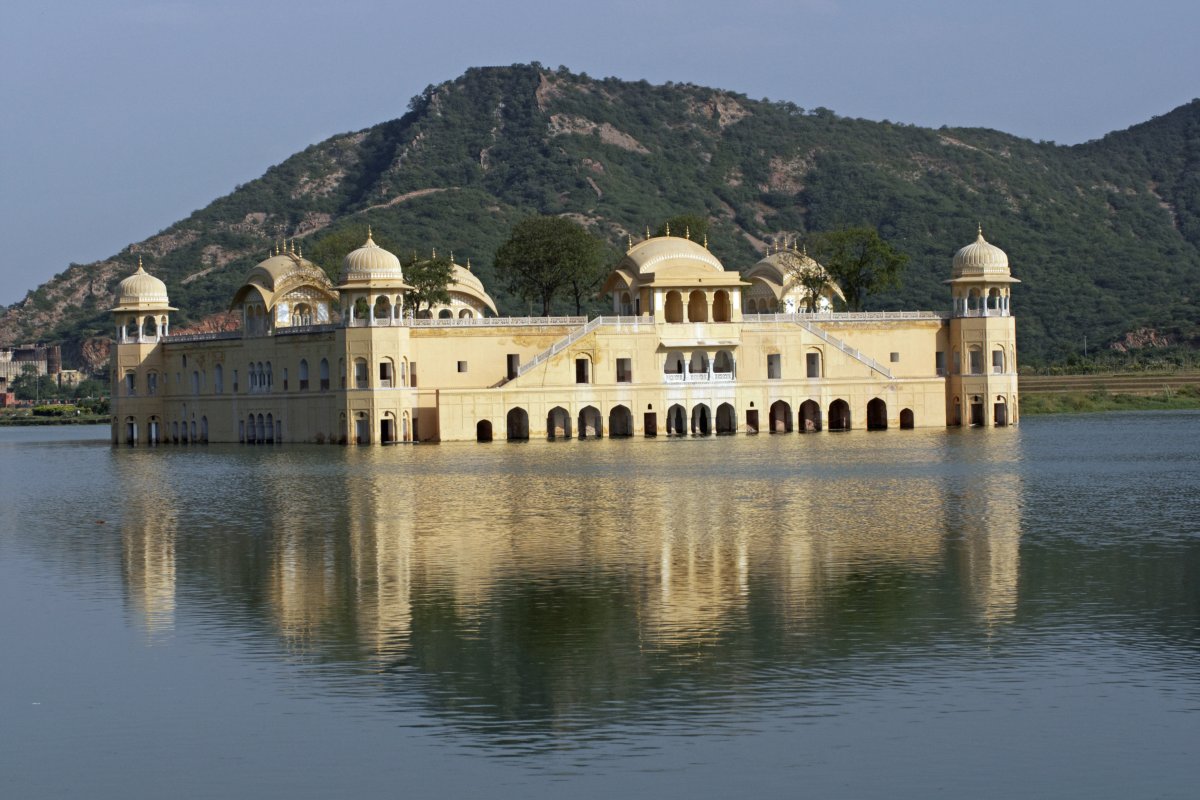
x=1105 y=236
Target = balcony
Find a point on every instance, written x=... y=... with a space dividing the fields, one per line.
x=698 y=377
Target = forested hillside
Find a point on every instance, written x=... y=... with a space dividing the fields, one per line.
x=1105 y=236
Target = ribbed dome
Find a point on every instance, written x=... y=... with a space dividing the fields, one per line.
x=662 y=253
x=980 y=259
x=141 y=289
x=370 y=263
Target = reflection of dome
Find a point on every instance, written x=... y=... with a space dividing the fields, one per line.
x=671 y=256
x=980 y=259
x=371 y=263
x=141 y=290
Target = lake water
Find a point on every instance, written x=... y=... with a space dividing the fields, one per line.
x=975 y=613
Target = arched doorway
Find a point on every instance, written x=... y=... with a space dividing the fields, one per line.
x=726 y=419
x=483 y=430
x=701 y=420
x=674 y=365
x=697 y=307
x=906 y=419
x=558 y=423
x=1000 y=412
x=673 y=308
x=517 y=423
x=591 y=426
x=839 y=415
x=877 y=415
x=721 y=312
x=620 y=422
x=362 y=428
x=810 y=416
x=676 y=421
x=387 y=428
x=781 y=417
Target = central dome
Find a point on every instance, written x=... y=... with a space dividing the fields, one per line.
x=670 y=254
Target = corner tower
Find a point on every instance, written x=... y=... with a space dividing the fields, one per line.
x=142 y=322
x=982 y=388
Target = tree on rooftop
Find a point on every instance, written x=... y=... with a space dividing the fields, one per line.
x=859 y=260
x=430 y=279
x=543 y=255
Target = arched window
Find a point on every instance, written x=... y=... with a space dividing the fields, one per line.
x=218 y=379
x=558 y=423
x=697 y=307
x=303 y=375
x=360 y=373
x=445 y=313
x=195 y=382
x=324 y=374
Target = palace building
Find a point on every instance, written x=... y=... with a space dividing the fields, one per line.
x=690 y=349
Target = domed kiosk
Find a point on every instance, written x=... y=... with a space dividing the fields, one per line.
x=372 y=286
x=284 y=291
x=674 y=280
x=983 y=337
x=778 y=284
x=141 y=309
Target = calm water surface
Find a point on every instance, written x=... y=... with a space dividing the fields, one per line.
x=979 y=613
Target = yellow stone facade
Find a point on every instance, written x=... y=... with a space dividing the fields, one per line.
x=690 y=349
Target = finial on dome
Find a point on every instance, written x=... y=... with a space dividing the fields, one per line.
x=468 y=263
x=629 y=240
x=368 y=232
x=434 y=253
x=140 y=265
x=979 y=229
x=451 y=256
x=706 y=240
x=647 y=231
x=687 y=232
x=668 y=229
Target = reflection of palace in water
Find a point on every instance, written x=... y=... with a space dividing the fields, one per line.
x=598 y=595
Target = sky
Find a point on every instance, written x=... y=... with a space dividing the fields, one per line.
x=120 y=117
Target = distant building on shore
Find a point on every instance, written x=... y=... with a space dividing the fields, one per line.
x=690 y=349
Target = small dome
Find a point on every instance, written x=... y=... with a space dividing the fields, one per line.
x=371 y=263
x=980 y=259
x=141 y=290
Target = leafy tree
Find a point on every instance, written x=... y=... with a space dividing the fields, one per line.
x=430 y=279
x=800 y=270
x=860 y=261
x=31 y=386
x=545 y=254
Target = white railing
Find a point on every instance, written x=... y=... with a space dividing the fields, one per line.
x=698 y=377
x=560 y=345
x=179 y=338
x=493 y=322
x=841 y=316
x=300 y=329
x=982 y=312
x=845 y=348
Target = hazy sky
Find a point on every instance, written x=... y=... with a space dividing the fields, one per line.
x=119 y=117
